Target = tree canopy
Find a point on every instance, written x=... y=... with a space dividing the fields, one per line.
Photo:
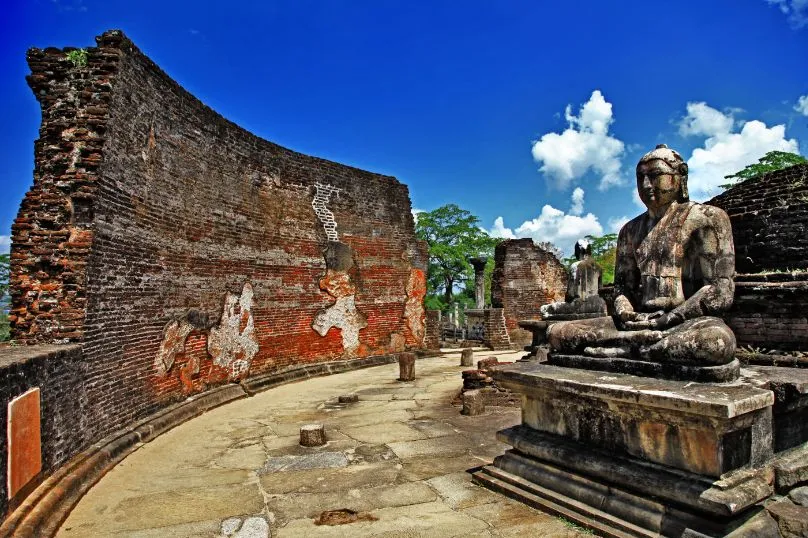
x=454 y=235
x=772 y=161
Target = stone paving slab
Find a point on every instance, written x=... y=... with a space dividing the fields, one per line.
x=399 y=457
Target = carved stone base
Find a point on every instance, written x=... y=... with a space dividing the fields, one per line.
x=621 y=496
x=702 y=374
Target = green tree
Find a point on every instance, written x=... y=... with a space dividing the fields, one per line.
x=772 y=161
x=454 y=235
x=4 y=274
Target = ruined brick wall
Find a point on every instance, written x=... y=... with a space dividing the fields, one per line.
x=525 y=277
x=58 y=372
x=183 y=252
x=770 y=311
x=769 y=216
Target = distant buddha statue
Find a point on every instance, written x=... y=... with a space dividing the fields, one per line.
x=673 y=276
x=582 y=299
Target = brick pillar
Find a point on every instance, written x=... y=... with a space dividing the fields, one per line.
x=496 y=333
x=432 y=338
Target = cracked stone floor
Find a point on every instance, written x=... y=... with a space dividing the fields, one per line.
x=398 y=457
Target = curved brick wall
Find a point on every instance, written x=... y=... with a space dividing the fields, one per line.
x=769 y=216
x=182 y=252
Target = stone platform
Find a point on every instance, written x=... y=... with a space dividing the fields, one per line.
x=635 y=456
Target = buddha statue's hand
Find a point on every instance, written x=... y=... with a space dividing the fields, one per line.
x=658 y=321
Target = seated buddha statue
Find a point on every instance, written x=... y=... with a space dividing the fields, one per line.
x=582 y=299
x=673 y=277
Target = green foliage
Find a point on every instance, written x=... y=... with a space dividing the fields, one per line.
x=604 y=252
x=4 y=274
x=772 y=161
x=78 y=57
x=453 y=235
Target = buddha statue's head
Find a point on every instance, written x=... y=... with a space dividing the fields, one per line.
x=662 y=178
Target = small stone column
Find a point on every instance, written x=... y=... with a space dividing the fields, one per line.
x=456 y=316
x=467 y=357
x=406 y=366
x=312 y=435
x=479 y=280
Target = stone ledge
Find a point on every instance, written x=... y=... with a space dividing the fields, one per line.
x=11 y=355
x=710 y=400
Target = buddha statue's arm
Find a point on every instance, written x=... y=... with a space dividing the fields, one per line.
x=626 y=277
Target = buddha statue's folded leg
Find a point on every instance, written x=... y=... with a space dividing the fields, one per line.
x=705 y=341
x=574 y=336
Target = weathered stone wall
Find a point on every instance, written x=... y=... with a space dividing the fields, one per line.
x=525 y=277
x=770 y=311
x=769 y=216
x=183 y=252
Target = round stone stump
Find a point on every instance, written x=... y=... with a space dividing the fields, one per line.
x=406 y=366
x=467 y=357
x=312 y=435
x=348 y=398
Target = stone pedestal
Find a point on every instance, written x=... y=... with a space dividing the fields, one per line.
x=406 y=366
x=634 y=456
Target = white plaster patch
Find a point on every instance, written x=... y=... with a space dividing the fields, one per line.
x=344 y=316
x=174 y=336
x=321 y=196
x=233 y=344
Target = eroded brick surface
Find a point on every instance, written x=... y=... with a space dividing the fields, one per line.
x=183 y=252
x=525 y=277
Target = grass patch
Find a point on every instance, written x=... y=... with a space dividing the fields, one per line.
x=574 y=526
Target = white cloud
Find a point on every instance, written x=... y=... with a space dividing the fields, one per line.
x=726 y=152
x=615 y=223
x=5 y=244
x=415 y=214
x=499 y=230
x=577 y=206
x=701 y=119
x=796 y=10
x=585 y=145
x=802 y=105
x=553 y=226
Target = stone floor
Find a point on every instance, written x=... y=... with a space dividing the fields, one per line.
x=397 y=459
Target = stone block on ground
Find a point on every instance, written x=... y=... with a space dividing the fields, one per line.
x=484 y=364
x=467 y=357
x=406 y=366
x=312 y=435
x=473 y=403
x=791 y=519
x=799 y=495
x=348 y=398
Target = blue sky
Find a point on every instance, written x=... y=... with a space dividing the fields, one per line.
x=531 y=115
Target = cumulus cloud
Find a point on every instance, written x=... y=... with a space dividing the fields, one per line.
x=615 y=223
x=585 y=145
x=415 y=214
x=802 y=105
x=499 y=230
x=726 y=150
x=5 y=244
x=795 y=10
x=553 y=226
x=704 y=120
x=577 y=206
